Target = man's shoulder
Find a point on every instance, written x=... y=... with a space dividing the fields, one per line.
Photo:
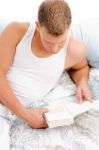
x=76 y=48
x=14 y=31
x=19 y=27
x=76 y=53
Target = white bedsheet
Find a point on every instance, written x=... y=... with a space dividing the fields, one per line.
x=82 y=135
x=4 y=128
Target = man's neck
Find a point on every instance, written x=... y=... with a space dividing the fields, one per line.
x=37 y=46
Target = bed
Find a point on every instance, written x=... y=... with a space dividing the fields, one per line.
x=82 y=135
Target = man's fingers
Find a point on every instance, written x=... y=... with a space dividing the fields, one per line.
x=44 y=123
x=83 y=96
x=88 y=96
x=79 y=96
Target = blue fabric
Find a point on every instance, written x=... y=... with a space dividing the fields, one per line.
x=3 y=24
x=88 y=32
x=1 y=27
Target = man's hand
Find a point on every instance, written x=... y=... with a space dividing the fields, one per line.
x=80 y=74
x=35 y=118
x=83 y=93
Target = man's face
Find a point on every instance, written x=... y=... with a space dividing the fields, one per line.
x=51 y=43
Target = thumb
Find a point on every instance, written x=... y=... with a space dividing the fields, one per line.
x=79 y=96
x=44 y=110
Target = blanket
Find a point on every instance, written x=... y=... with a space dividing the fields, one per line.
x=82 y=135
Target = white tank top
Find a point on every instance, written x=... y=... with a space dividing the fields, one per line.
x=31 y=77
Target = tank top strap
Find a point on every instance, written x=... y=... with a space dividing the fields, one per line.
x=31 y=30
x=28 y=34
x=65 y=48
x=67 y=41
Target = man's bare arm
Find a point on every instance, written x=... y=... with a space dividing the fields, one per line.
x=9 y=39
x=79 y=72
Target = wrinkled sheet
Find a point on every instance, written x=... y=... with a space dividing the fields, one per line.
x=82 y=135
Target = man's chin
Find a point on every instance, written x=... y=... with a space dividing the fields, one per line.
x=51 y=52
x=54 y=52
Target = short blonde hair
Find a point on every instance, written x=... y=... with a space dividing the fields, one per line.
x=55 y=15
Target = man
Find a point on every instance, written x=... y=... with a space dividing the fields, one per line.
x=33 y=57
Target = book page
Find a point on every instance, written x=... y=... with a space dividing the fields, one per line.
x=63 y=112
x=76 y=108
x=58 y=116
x=58 y=111
x=71 y=108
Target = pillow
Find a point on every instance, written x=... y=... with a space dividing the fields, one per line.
x=3 y=24
x=87 y=30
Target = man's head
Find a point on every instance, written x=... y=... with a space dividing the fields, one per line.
x=54 y=19
x=55 y=15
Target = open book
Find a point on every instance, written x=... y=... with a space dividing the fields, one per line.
x=63 y=113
